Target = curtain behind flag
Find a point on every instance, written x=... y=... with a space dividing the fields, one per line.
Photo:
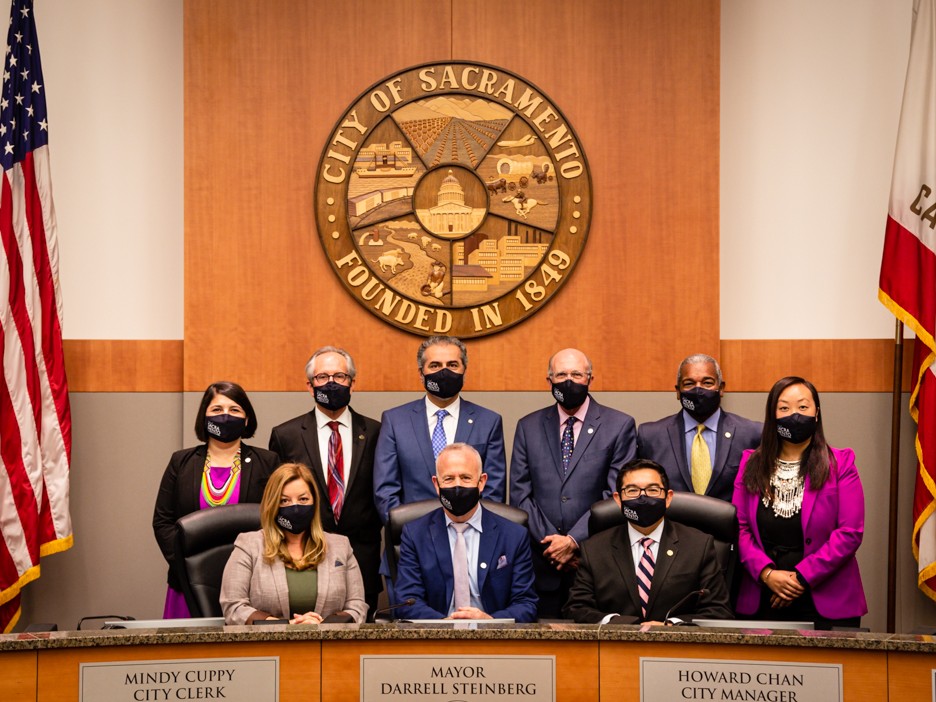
x=908 y=269
x=35 y=421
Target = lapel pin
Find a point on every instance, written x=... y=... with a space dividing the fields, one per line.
x=360 y=437
x=247 y=460
x=727 y=434
x=591 y=430
x=483 y=565
x=669 y=552
x=471 y=421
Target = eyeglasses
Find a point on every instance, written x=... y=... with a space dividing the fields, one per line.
x=322 y=378
x=577 y=376
x=633 y=491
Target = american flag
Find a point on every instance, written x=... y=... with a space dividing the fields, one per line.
x=35 y=420
x=908 y=269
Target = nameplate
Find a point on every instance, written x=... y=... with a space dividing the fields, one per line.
x=231 y=679
x=751 y=681
x=463 y=678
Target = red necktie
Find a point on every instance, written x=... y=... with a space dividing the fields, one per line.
x=335 y=471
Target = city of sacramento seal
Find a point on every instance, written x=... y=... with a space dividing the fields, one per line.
x=453 y=198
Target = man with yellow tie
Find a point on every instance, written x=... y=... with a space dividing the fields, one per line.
x=700 y=446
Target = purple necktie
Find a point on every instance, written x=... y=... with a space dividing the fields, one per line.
x=645 y=574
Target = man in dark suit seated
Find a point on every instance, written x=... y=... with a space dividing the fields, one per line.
x=565 y=458
x=650 y=568
x=412 y=435
x=462 y=561
x=701 y=445
x=338 y=445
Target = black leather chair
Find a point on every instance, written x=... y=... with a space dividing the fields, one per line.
x=707 y=514
x=204 y=542
x=401 y=515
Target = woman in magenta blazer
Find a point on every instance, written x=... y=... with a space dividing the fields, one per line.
x=801 y=517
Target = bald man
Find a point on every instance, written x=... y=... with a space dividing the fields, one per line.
x=565 y=458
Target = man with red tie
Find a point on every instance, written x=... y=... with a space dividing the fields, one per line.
x=338 y=444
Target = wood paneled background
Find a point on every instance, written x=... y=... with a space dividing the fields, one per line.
x=638 y=81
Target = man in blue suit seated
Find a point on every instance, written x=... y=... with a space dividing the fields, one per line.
x=700 y=446
x=412 y=435
x=462 y=561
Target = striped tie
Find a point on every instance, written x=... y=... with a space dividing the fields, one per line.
x=645 y=575
x=335 y=471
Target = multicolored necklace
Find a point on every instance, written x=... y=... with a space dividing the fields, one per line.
x=216 y=496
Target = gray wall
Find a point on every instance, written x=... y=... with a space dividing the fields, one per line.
x=123 y=441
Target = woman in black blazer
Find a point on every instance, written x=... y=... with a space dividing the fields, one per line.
x=222 y=470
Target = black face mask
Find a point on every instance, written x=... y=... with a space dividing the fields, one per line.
x=224 y=427
x=796 y=428
x=459 y=500
x=700 y=403
x=569 y=394
x=296 y=518
x=333 y=396
x=644 y=511
x=444 y=383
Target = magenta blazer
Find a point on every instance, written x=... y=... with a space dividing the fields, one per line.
x=833 y=526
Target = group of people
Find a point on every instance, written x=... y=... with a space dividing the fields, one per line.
x=331 y=478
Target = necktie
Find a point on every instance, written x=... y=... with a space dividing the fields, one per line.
x=460 y=567
x=568 y=443
x=645 y=574
x=438 y=434
x=335 y=471
x=701 y=462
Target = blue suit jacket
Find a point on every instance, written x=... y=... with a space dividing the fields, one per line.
x=558 y=502
x=505 y=571
x=664 y=441
x=404 y=463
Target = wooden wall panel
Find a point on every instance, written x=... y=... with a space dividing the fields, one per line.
x=264 y=85
x=123 y=366
x=832 y=365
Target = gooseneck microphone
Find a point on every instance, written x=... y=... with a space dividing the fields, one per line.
x=405 y=603
x=684 y=600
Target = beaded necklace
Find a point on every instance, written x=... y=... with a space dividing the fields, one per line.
x=216 y=496
x=787 y=485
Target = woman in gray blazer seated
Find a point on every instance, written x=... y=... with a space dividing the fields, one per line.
x=291 y=569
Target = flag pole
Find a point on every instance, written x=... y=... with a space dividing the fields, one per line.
x=894 y=479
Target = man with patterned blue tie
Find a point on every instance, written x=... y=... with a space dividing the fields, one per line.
x=413 y=435
x=650 y=568
x=565 y=458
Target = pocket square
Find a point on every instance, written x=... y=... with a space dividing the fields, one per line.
x=338 y=563
x=501 y=562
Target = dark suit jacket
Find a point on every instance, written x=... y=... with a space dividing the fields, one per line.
x=606 y=581
x=558 y=502
x=664 y=441
x=181 y=486
x=404 y=464
x=505 y=573
x=297 y=441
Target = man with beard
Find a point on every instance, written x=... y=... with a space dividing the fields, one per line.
x=700 y=446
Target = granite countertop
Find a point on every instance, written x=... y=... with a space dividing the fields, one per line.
x=515 y=632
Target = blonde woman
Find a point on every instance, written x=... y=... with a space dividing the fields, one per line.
x=291 y=569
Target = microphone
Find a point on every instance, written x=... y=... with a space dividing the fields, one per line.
x=684 y=600
x=405 y=603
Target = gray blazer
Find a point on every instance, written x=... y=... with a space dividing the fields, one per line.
x=250 y=583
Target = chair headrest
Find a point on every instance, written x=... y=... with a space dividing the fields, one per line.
x=218 y=526
x=402 y=515
x=708 y=514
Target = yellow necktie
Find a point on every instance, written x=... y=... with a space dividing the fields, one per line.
x=701 y=462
